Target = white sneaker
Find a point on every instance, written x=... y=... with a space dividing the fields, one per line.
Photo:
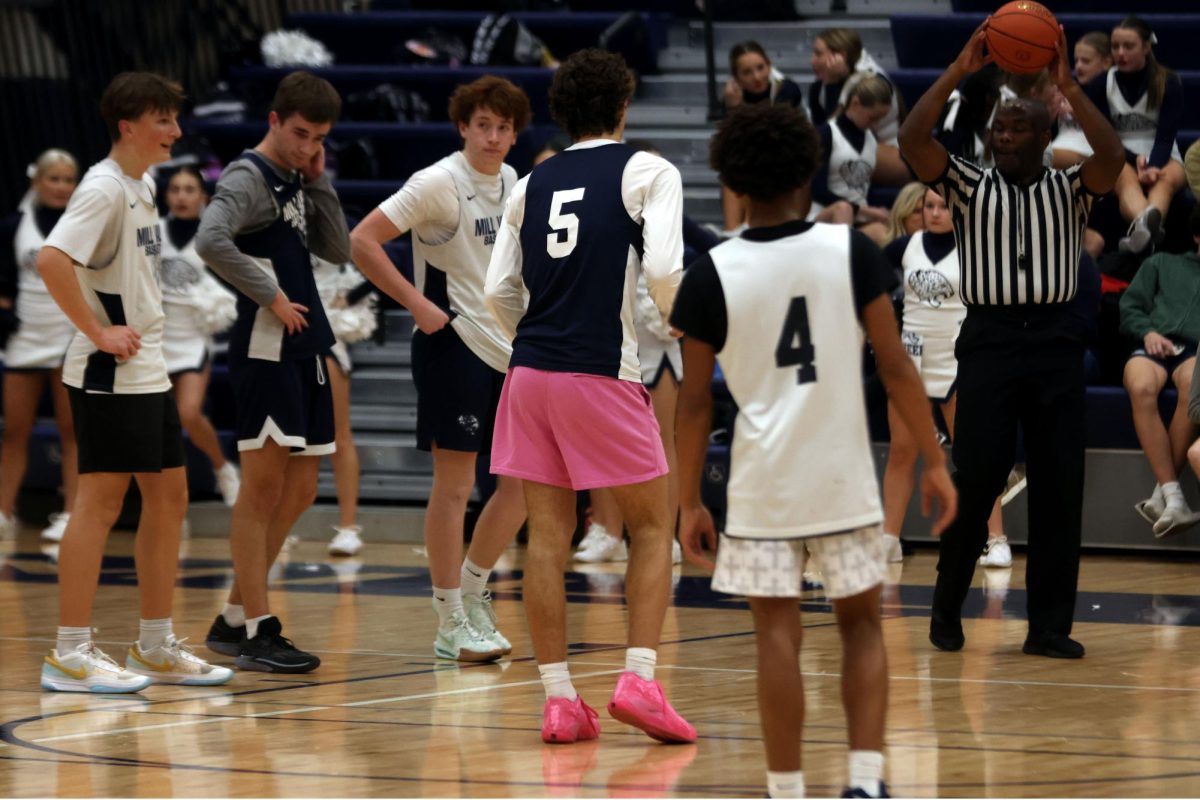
x=1152 y=507
x=459 y=640
x=346 y=542
x=676 y=552
x=8 y=526
x=88 y=669
x=175 y=662
x=599 y=546
x=483 y=617
x=57 y=527
x=996 y=553
x=229 y=480
x=1014 y=485
x=1176 y=518
x=893 y=553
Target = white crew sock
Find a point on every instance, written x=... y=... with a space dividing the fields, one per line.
x=252 y=625
x=70 y=638
x=235 y=616
x=474 y=578
x=556 y=679
x=641 y=662
x=866 y=771
x=152 y=633
x=785 y=784
x=448 y=601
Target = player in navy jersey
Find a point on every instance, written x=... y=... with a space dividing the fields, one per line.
x=562 y=282
x=778 y=306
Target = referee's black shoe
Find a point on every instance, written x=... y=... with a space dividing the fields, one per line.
x=269 y=651
x=224 y=638
x=1054 y=645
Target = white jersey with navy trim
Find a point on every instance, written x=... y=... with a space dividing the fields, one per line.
x=933 y=304
x=112 y=213
x=1136 y=124
x=790 y=360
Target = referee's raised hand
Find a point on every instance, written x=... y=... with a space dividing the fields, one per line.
x=972 y=57
x=120 y=340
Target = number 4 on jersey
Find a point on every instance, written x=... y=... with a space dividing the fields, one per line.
x=795 y=343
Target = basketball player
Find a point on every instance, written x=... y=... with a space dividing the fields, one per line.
x=775 y=305
x=273 y=207
x=459 y=352
x=100 y=264
x=574 y=414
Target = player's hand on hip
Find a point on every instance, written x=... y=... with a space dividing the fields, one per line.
x=119 y=340
x=698 y=536
x=289 y=313
x=936 y=484
x=429 y=318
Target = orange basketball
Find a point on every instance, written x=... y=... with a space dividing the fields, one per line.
x=1021 y=36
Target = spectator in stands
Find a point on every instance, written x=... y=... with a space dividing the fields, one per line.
x=848 y=155
x=839 y=62
x=341 y=290
x=753 y=80
x=196 y=306
x=1144 y=101
x=1020 y=348
x=933 y=312
x=37 y=334
x=1159 y=310
x=459 y=352
x=908 y=212
x=1093 y=57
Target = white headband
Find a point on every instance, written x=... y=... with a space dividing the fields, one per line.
x=31 y=171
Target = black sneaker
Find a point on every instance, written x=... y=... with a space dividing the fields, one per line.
x=270 y=652
x=224 y=638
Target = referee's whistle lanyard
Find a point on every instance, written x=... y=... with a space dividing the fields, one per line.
x=1019 y=221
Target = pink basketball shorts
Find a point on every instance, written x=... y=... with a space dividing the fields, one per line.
x=576 y=431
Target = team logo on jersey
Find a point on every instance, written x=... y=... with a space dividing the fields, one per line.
x=930 y=286
x=487 y=228
x=469 y=423
x=913 y=343
x=293 y=214
x=856 y=174
x=179 y=274
x=29 y=259
x=1124 y=123
x=149 y=239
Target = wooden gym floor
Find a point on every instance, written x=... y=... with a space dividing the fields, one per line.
x=382 y=717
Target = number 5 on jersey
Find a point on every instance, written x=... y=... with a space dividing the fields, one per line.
x=569 y=223
x=795 y=343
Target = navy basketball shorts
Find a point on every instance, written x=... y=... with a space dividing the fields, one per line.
x=287 y=402
x=126 y=432
x=457 y=394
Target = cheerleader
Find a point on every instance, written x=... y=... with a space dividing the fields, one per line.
x=196 y=307
x=34 y=353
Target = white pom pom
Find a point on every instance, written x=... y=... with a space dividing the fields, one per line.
x=294 y=48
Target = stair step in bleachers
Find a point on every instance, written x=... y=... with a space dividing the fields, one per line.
x=383 y=385
x=789 y=44
x=391 y=453
x=1121 y=7
x=376 y=417
x=375 y=487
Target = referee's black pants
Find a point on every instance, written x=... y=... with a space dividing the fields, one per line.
x=1018 y=366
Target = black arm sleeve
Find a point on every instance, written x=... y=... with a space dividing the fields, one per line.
x=8 y=255
x=870 y=272
x=699 y=309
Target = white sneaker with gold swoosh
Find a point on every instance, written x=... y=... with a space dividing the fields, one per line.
x=175 y=662
x=88 y=669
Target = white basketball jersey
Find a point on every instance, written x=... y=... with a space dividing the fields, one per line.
x=850 y=170
x=801 y=458
x=34 y=303
x=464 y=260
x=1136 y=124
x=124 y=291
x=933 y=305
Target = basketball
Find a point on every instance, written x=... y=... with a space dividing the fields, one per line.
x=1021 y=36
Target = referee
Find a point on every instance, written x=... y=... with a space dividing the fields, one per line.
x=1020 y=350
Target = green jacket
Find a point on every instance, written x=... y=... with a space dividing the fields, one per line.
x=1164 y=297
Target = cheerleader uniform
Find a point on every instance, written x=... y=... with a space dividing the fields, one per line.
x=44 y=331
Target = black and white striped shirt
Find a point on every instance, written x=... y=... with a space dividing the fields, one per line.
x=1016 y=244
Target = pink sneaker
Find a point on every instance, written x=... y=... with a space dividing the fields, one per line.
x=565 y=721
x=643 y=704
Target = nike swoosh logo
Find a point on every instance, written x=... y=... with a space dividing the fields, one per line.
x=133 y=204
x=471 y=197
x=163 y=667
x=473 y=572
x=280 y=188
x=78 y=674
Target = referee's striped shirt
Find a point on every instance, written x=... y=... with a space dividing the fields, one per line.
x=1016 y=244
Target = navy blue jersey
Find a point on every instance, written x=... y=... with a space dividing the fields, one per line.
x=576 y=239
x=281 y=247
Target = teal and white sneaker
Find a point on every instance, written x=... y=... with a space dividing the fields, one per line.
x=88 y=669
x=459 y=640
x=483 y=617
x=175 y=662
